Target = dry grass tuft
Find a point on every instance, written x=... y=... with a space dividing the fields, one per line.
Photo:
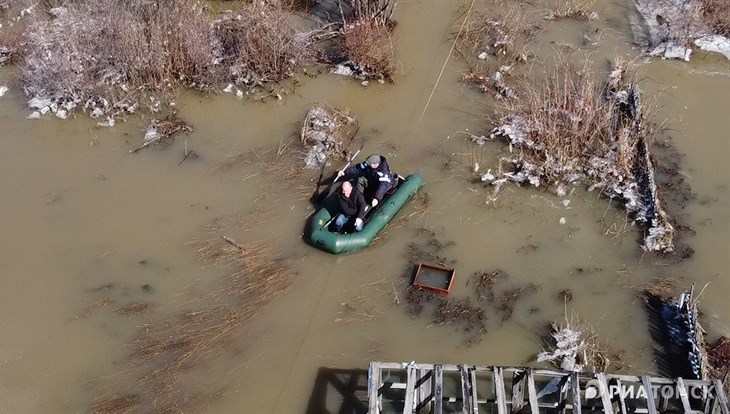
x=573 y=9
x=716 y=13
x=135 y=309
x=664 y=287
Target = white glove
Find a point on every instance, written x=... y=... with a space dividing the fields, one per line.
x=358 y=222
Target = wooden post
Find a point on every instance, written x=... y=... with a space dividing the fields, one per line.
x=575 y=392
x=467 y=392
x=620 y=398
x=721 y=397
x=605 y=397
x=532 y=392
x=424 y=396
x=499 y=388
x=374 y=387
x=682 y=390
x=409 y=403
x=518 y=390
x=438 y=394
x=650 y=403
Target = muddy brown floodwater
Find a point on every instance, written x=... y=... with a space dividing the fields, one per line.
x=89 y=230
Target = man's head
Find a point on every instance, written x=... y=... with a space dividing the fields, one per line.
x=346 y=188
x=374 y=161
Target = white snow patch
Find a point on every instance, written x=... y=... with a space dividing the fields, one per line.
x=715 y=43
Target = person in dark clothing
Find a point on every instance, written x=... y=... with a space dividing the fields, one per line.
x=374 y=177
x=353 y=205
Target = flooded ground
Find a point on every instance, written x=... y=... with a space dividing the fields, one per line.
x=89 y=228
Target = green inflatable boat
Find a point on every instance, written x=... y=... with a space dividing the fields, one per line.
x=375 y=220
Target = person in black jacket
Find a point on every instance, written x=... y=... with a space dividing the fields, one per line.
x=374 y=177
x=353 y=205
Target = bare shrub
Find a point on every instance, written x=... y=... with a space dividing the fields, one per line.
x=110 y=57
x=380 y=10
x=260 y=45
x=368 y=43
x=560 y=123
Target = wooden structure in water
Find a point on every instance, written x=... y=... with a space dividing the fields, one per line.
x=469 y=389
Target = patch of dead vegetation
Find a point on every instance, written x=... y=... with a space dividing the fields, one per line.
x=115 y=58
x=502 y=32
x=164 y=131
x=467 y=317
x=718 y=354
x=281 y=164
x=572 y=9
x=368 y=43
x=492 y=42
x=716 y=14
x=484 y=282
x=509 y=299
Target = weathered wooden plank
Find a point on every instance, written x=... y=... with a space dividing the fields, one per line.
x=649 y=391
x=374 y=387
x=720 y=396
x=620 y=398
x=682 y=390
x=499 y=391
x=425 y=392
x=605 y=396
x=438 y=392
x=518 y=390
x=474 y=396
x=409 y=402
x=466 y=390
x=575 y=392
x=532 y=392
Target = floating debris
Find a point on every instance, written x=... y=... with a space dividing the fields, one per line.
x=568 y=347
x=324 y=134
x=575 y=346
x=162 y=131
